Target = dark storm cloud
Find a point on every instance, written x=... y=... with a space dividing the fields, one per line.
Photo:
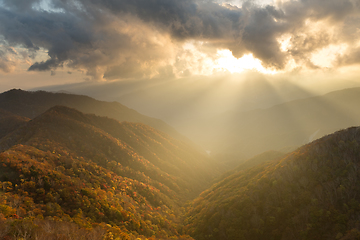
x=61 y=34
x=45 y=65
x=260 y=35
x=93 y=35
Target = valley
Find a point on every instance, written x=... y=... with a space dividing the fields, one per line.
x=73 y=175
x=179 y=119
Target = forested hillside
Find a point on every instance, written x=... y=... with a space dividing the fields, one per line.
x=249 y=163
x=67 y=169
x=312 y=193
x=69 y=175
x=31 y=104
x=9 y=122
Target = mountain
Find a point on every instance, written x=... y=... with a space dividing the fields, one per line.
x=92 y=172
x=251 y=162
x=258 y=159
x=311 y=193
x=32 y=104
x=9 y=122
x=289 y=124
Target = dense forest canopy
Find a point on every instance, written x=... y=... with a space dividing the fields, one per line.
x=312 y=193
x=89 y=170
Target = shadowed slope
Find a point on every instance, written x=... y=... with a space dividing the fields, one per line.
x=32 y=104
x=311 y=193
x=252 y=162
x=9 y=122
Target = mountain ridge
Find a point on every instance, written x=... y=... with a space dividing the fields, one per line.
x=88 y=169
x=32 y=104
x=9 y=122
x=292 y=123
x=310 y=193
x=133 y=181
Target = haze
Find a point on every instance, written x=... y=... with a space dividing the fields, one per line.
x=186 y=62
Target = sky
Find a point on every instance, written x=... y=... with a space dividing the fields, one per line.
x=159 y=49
x=117 y=39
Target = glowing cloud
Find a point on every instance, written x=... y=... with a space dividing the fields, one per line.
x=326 y=57
x=119 y=39
x=226 y=61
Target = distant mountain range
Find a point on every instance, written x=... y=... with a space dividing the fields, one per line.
x=242 y=134
x=32 y=104
x=288 y=124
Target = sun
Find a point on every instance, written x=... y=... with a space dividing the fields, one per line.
x=227 y=62
x=196 y=58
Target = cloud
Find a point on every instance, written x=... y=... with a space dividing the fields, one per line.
x=8 y=61
x=113 y=39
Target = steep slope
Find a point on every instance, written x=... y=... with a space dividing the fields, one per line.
x=312 y=193
x=9 y=122
x=32 y=104
x=249 y=163
x=258 y=159
x=289 y=124
x=88 y=169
